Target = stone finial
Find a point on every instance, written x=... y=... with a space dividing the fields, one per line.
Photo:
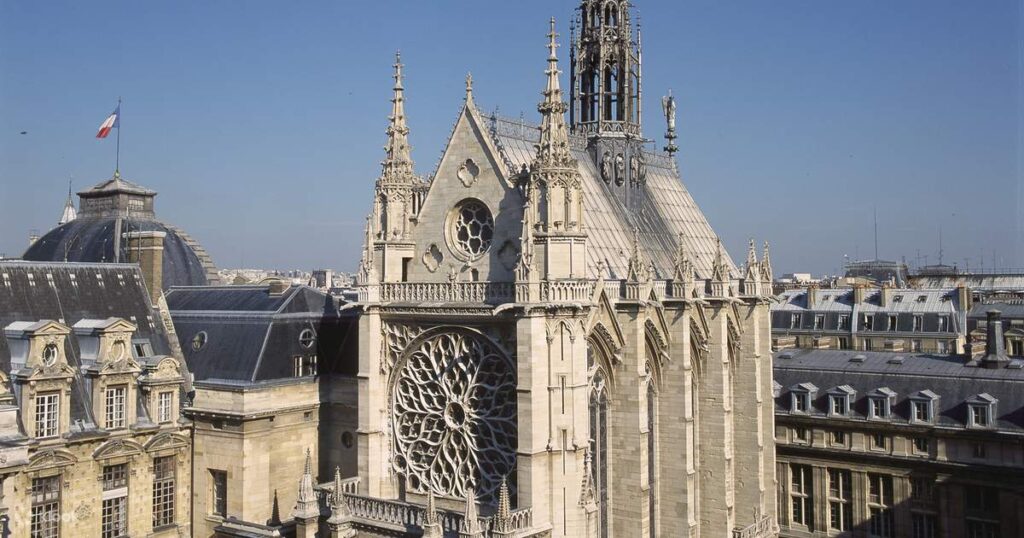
x=341 y=517
x=553 y=148
x=587 y=491
x=306 y=505
x=397 y=166
x=469 y=87
x=638 y=270
x=431 y=522
x=471 y=518
x=682 y=275
x=668 y=106
x=766 y=265
x=719 y=271
x=502 y=522
x=367 y=270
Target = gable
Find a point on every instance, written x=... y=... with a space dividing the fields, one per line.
x=469 y=171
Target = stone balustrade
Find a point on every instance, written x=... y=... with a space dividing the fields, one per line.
x=448 y=292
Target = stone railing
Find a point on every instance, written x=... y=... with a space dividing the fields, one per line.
x=762 y=528
x=566 y=290
x=448 y=292
x=398 y=515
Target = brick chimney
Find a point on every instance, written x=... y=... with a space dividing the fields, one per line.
x=147 y=250
x=995 y=346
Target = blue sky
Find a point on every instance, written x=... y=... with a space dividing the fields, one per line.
x=261 y=123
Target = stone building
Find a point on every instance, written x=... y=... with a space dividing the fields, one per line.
x=90 y=387
x=872 y=319
x=876 y=444
x=274 y=369
x=552 y=340
x=116 y=222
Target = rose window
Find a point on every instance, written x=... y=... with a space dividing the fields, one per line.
x=454 y=421
x=472 y=228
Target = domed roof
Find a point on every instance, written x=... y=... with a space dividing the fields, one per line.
x=110 y=210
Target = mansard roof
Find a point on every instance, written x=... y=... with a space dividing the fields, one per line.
x=249 y=334
x=944 y=379
x=69 y=293
x=666 y=208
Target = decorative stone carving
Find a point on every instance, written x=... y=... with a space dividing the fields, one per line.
x=433 y=258
x=396 y=338
x=471 y=228
x=620 y=169
x=606 y=167
x=454 y=416
x=468 y=172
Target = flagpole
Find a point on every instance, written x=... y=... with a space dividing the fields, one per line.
x=117 y=154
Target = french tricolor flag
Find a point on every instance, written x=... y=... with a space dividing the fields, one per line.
x=112 y=121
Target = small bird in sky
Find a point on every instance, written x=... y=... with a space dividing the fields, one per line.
x=24 y=132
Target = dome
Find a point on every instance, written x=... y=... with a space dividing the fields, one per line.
x=108 y=212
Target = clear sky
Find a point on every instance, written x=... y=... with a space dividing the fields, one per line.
x=261 y=123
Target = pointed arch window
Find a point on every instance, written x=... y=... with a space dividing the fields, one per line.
x=652 y=459
x=599 y=440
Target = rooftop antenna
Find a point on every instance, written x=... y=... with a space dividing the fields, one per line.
x=876 y=232
x=940 y=243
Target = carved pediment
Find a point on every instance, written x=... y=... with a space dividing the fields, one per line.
x=166 y=440
x=51 y=458
x=116 y=448
x=604 y=315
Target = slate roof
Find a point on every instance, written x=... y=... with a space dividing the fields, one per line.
x=91 y=240
x=69 y=293
x=1008 y=310
x=928 y=304
x=251 y=334
x=665 y=208
x=946 y=376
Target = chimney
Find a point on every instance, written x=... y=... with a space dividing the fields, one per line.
x=963 y=296
x=812 y=296
x=858 y=293
x=995 y=347
x=885 y=296
x=147 y=250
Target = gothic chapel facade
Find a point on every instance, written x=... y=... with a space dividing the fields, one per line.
x=552 y=340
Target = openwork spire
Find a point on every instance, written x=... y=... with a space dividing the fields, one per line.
x=306 y=505
x=397 y=165
x=752 y=265
x=553 y=149
x=471 y=518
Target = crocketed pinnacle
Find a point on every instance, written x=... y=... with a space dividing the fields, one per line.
x=306 y=505
x=553 y=149
x=503 y=518
x=682 y=264
x=766 y=265
x=719 y=272
x=471 y=518
x=397 y=165
x=638 y=270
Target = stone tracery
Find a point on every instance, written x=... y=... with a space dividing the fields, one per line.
x=454 y=416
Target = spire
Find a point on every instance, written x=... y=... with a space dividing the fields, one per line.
x=431 y=523
x=306 y=505
x=719 y=273
x=766 y=265
x=471 y=518
x=752 y=265
x=553 y=149
x=397 y=165
x=339 y=509
x=502 y=523
x=69 y=213
x=367 y=270
x=638 y=268
x=682 y=264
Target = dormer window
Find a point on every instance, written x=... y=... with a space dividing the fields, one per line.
x=47 y=415
x=839 y=400
x=918 y=323
x=819 y=322
x=943 y=324
x=867 y=321
x=981 y=411
x=801 y=396
x=923 y=407
x=794 y=321
x=50 y=353
x=880 y=404
x=844 y=322
x=892 y=323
